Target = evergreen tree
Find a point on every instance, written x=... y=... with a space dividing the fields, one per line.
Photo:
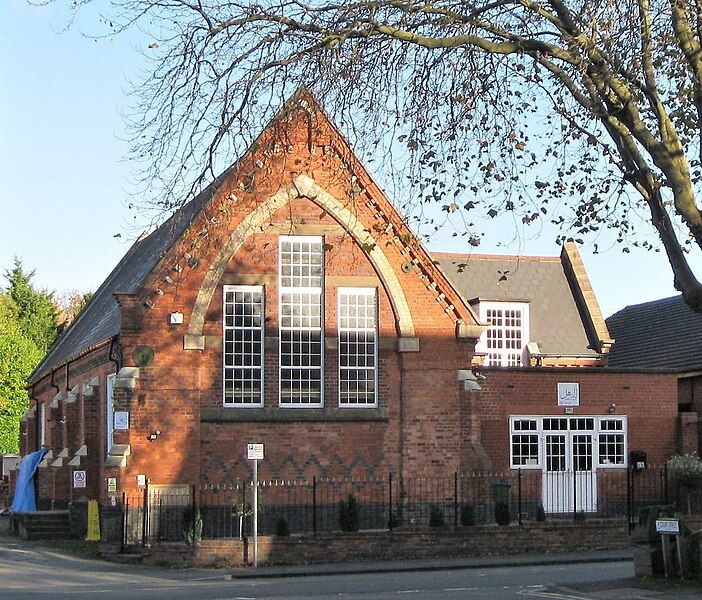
x=36 y=313
x=18 y=357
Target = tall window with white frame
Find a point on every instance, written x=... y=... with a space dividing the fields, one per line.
x=41 y=416
x=504 y=342
x=243 y=346
x=301 y=285
x=109 y=411
x=358 y=347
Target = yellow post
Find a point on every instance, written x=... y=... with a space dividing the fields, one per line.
x=93 y=522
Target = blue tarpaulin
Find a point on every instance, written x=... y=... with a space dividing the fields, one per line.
x=24 y=500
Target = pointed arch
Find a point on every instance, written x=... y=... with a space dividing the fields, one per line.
x=302 y=186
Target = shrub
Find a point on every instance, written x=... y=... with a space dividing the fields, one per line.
x=502 y=514
x=282 y=529
x=192 y=525
x=348 y=514
x=467 y=515
x=436 y=517
x=540 y=513
x=686 y=470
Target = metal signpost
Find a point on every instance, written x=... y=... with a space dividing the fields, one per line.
x=668 y=527
x=254 y=452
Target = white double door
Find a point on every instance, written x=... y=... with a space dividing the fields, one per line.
x=569 y=477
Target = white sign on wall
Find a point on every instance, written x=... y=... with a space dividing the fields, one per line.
x=254 y=451
x=568 y=394
x=78 y=479
x=121 y=419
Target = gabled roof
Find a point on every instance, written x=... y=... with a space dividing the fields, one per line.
x=558 y=322
x=100 y=320
x=663 y=334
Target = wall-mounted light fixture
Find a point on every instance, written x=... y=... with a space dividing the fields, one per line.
x=154 y=436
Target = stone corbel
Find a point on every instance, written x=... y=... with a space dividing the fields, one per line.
x=470 y=381
x=89 y=389
x=193 y=342
x=408 y=344
x=126 y=378
x=45 y=461
x=58 y=462
x=55 y=401
x=468 y=331
x=64 y=453
x=117 y=456
x=82 y=451
x=74 y=462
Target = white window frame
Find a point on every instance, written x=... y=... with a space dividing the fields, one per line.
x=109 y=411
x=300 y=290
x=359 y=291
x=596 y=431
x=623 y=431
x=482 y=345
x=261 y=369
x=41 y=414
x=537 y=431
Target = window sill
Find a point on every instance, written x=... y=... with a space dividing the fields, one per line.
x=268 y=414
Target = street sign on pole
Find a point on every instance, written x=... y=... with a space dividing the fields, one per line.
x=255 y=453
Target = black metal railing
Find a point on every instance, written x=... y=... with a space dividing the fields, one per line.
x=321 y=504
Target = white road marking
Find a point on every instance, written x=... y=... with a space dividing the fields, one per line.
x=555 y=595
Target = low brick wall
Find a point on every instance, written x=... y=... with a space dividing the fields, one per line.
x=400 y=544
x=441 y=543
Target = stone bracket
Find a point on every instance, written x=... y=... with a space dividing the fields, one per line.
x=45 y=461
x=408 y=344
x=55 y=401
x=126 y=378
x=193 y=342
x=468 y=331
x=117 y=456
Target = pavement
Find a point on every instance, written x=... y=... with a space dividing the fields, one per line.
x=41 y=560
x=437 y=564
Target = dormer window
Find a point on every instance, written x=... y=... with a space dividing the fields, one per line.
x=504 y=342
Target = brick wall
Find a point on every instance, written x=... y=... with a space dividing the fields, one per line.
x=649 y=402
x=551 y=538
x=80 y=421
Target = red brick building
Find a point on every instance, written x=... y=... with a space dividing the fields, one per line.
x=289 y=304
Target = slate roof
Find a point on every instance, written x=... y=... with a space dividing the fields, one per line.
x=554 y=320
x=101 y=317
x=664 y=334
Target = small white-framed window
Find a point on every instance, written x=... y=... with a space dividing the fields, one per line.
x=109 y=411
x=612 y=442
x=568 y=442
x=524 y=443
x=243 y=345
x=504 y=342
x=41 y=414
x=358 y=347
x=301 y=319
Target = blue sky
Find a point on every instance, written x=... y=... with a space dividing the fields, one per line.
x=66 y=182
